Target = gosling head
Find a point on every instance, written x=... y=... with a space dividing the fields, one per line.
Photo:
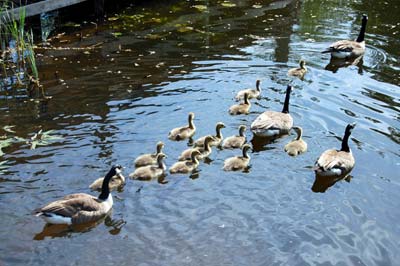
x=302 y=63
x=160 y=146
x=246 y=147
x=220 y=125
x=242 y=129
x=191 y=116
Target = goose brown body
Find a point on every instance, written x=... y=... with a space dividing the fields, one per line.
x=336 y=163
x=80 y=207
x=272 y=123
x=349 y=49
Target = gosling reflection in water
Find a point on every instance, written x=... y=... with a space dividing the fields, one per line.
x=336 y=63
x=322 y=183
x=64 y=230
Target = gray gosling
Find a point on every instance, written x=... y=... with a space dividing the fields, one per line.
x=185 y=167
x=238 y=162
x=215 y=140
x=205 y=151
x=185 y=132
x=298 y=145
x=252 y=93
x=149 y=159
x=298 y=71
x=151 y=172
x=242 y=108
x=234 y=142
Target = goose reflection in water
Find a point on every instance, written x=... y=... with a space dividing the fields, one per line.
x=64 y=230
x=336 y=63
x=322 y=183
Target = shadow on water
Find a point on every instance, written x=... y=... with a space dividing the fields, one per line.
x=336 y=63
x=322 y=183
x=64 y=230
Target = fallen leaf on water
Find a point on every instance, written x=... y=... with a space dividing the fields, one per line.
x=200 y=7
x=228 y=4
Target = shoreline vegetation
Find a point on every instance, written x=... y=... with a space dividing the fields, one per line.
x=19 y=73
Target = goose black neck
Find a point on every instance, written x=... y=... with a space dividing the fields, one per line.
x=345 y=141
x=361 y=35
x=105 y=190
x=287 y=98
x=258 y=85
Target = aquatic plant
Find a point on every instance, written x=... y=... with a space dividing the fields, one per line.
x=17 y=61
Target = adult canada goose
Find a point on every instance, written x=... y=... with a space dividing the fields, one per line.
x=215 y=140
x=238 y=162
x=116 y=182
x=234 y=142
x=252 y=93
x=151 y=172
x=204 y=151
x=347 y=48
x=181 y=133
x=298 y=145
x=188 y=166
x=298 y=71
x=336 y=163
x=81 y=207
x=149 y=159
x=242 y=108
x=271 y=123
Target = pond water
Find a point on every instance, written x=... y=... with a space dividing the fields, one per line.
x=150 y=66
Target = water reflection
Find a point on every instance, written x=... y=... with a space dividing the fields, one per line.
x=322 y=183
x=336 y=63
x=64 y=230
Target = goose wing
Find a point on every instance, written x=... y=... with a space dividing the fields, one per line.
x=71 y=206
x=272 y=120
x=333 y=159
x=344 y=46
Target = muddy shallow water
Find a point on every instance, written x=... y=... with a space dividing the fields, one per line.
x=151 y=66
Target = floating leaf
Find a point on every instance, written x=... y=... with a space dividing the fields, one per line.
x=257 y=6
x=228 y=4
x=117 y=34
x=9 y=129
x=200 y=7
x=113 y=18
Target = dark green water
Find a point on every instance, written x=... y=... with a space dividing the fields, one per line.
x=153 y=65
